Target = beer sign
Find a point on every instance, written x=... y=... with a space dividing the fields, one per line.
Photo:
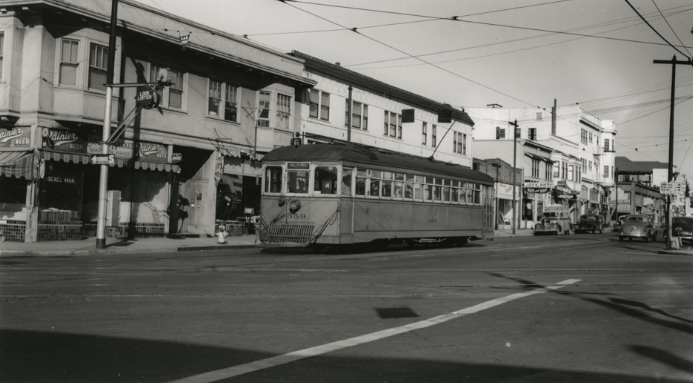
x=147 y=98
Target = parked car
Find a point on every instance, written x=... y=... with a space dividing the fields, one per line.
x=638 y=226
x=591 y=223
x=554 y=219
x=681 y=227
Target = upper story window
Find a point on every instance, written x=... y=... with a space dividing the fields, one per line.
x=264 y=108
x=590 y=163
x=68 y=62
x=606 y=171
x=283 y=111
x=459 y=144
x=359 y=115
x=433 y=136
x=171 y=96
x=547 y=171
x=590 y=137
x=98 y=66
x=392 y=124
x=424 y=133
x=500 y=133
x=535 y=167
x=222 y=101
x=2 y=50
x=532 y=134
x=319 y=105
x=583 y=136
x=584 y=165
x=606 y=144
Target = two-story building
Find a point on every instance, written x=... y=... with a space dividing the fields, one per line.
x=178 y=167
x=567 y=143
x=377 y=118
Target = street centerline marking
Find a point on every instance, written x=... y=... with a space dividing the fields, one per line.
x=230 y=372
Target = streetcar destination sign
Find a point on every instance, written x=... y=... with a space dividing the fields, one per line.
x=298 y=165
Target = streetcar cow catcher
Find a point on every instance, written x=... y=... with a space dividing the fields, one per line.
x=342 y=194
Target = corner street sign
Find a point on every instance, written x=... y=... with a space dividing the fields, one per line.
x=103 y=159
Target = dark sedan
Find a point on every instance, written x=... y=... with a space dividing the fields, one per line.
x=591 y=223
x=681 y=227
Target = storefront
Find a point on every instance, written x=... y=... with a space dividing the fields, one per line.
x=534 y=200
x=238 y=186
x=505 y=204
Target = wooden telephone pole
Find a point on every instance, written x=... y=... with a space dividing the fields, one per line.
x=670 y=176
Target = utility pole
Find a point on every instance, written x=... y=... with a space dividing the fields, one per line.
x=348 y=121
x=515 y=134
x=103 y=179
x=670 y=175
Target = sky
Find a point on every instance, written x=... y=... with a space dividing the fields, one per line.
x=516 y=53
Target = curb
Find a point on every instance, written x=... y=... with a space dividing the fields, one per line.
x=66 y=253
x=676 y=252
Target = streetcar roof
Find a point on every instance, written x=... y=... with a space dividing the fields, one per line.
x=357 y=155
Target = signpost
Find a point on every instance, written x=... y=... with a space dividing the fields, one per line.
x=103 y=159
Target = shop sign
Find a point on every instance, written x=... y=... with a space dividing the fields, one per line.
x=19 y=136
x=129 y=149
x=505 y=191
x=537 y=187
x=63 y=140
x=147 y=98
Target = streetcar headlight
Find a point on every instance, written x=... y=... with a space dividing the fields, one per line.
x=294 y=206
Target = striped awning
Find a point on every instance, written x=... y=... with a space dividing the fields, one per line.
x=66 y=157
x=121 y=163
x=20 y=164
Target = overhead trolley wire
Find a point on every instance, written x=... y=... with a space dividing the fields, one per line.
x=655 y=31
x=672 y=29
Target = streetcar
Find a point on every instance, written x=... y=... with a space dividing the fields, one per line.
x=341 y=194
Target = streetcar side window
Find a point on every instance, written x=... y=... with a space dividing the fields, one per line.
x=397 y=189
x=418 y=188
x=361 y=176
x=346 y=181
x=446 y=193
x=455 y=197
x=409 y=186
x=477 y=194
x=386 y=188
x=273 y=179
x=297 y=181
x=428 y=189
x=375 y=183
x=463 y=193
x=325 y=180
x=437 y=189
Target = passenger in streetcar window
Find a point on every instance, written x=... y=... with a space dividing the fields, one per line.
x=375 y=183
x=361 y=175
x=397 y=190
x=297 y=182
x=446 y=194
x=428 y=189
x=346 y=182
x=408 y=190
x=386 y=188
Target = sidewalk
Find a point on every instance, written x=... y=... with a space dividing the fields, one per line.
x=122 y=246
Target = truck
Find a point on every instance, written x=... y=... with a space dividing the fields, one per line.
x=554 y=219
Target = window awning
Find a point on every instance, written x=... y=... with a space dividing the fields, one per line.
x=121 y=163
x=20 y=164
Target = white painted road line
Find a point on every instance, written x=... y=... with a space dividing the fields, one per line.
x=230 y=372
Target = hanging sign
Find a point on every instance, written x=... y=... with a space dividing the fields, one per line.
x=147 y=98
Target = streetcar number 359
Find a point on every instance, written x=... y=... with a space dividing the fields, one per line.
x=297 y=216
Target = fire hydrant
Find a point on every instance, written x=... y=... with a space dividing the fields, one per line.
x=222 y=234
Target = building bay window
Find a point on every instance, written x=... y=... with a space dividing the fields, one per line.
x=98 y=66
x=68 y=62
x=283 y=111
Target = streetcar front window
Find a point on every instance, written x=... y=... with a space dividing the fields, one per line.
x=273 y=179
x=325 y=180
x=297 y=181
x=361 y=176
x=346 y=182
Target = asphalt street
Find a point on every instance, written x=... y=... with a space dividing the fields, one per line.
x=574 y=308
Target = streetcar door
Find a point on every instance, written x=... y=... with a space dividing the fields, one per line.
x=487 y=216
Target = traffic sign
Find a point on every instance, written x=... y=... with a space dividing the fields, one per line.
x=103 y=159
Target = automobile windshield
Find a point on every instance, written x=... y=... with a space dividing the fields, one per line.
x=683 y=223
x=549 y=215
x=636 y=219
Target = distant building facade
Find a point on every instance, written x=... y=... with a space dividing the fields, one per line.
x=565 y=146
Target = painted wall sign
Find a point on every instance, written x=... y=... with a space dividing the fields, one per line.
x=129 y=149
x=63 y=140
x=19 y=136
